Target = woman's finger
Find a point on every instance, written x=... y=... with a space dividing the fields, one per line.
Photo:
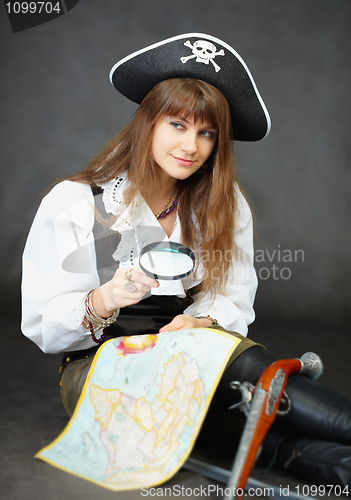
x=177 y=323
x=185 y=321
x=138 y=276
x=127 y=287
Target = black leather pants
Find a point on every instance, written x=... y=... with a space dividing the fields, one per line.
x=313 y=440
x=316 y=412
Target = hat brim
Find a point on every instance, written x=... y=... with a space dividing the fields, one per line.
x=135 y=75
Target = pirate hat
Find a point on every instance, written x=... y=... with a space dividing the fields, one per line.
x=196 y=55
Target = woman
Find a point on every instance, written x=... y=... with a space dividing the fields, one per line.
x=169 y=175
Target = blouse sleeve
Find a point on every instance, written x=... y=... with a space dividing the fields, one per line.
x=234 y=309
x=59 y=268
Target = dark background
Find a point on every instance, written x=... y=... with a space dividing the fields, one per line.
x=58 y=108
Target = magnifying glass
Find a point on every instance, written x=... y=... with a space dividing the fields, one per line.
x=166 y=260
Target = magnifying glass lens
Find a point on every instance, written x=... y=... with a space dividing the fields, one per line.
x=167 y=260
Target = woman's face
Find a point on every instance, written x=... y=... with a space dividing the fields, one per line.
x=181 y=146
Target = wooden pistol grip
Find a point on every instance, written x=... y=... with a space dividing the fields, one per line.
x=273 y=381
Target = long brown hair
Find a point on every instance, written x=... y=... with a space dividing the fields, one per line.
x=207 y=200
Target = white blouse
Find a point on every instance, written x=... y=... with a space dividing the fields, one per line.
x=59 y=264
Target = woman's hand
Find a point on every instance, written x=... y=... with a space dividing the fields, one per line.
x=185 y=321
x=113 y=294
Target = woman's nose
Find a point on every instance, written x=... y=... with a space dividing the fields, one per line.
x=189 y=144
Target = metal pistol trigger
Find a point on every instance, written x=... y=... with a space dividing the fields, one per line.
x=246 y=389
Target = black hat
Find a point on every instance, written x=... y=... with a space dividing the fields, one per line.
x=196 y=55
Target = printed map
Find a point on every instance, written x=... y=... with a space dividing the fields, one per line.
x=142 y=407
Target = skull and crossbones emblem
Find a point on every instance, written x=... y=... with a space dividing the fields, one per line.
x=204 y=52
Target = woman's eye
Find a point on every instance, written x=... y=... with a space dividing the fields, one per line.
x=208 y=134
x=176 y=125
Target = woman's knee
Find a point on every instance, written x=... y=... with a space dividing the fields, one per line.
x=72 y=382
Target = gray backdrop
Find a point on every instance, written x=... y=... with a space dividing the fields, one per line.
x=58 y=108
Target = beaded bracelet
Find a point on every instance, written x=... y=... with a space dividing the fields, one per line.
x=94 y=321
x=214 y=321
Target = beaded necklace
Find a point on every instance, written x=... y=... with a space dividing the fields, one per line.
x=162 y=209
x=164 y=213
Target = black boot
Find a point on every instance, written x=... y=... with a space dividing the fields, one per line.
x=318 y=462
x=316 y=412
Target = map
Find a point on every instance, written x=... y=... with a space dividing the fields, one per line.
x=142 y=407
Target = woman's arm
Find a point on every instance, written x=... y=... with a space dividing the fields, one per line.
x=59 y=268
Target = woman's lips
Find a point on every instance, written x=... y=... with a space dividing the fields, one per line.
x=183 y=161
